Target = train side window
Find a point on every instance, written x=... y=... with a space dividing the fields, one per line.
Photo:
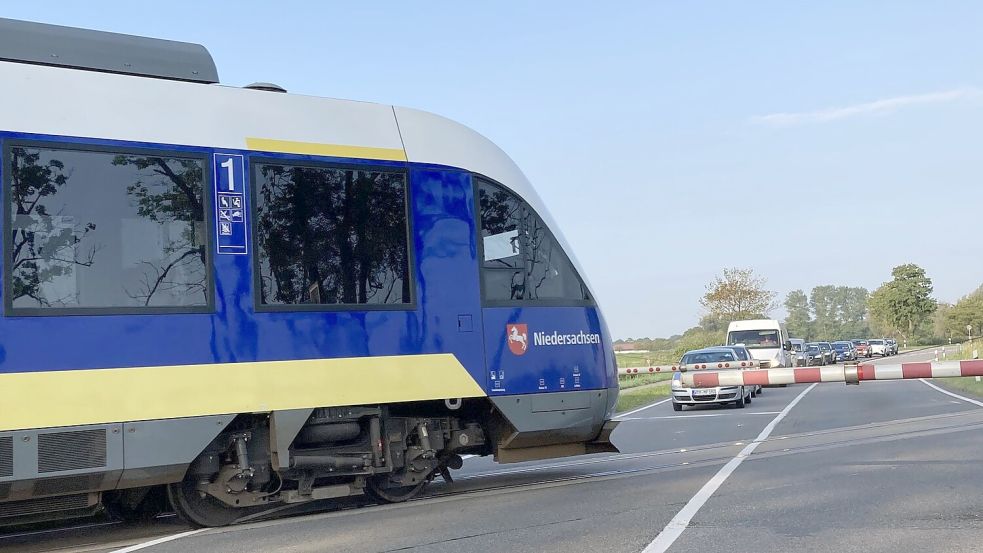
x=522 y=260
x=502 y=269
x=331 y=236
x=98 y=229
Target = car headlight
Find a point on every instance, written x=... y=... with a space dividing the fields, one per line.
x=676 y=384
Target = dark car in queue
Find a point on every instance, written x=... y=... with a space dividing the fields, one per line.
x=844 y=351
x=813 y=355
x=722 y=395
x=828 y=352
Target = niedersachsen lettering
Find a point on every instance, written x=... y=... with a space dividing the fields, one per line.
x=557 y=339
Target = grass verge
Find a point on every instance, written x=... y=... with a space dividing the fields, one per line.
x=628 y=382
x=967 y=384
x=641 y=395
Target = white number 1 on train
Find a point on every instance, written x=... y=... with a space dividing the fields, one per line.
x=232 y=181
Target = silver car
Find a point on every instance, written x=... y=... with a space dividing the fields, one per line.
x=892 y=346
x=739 y=396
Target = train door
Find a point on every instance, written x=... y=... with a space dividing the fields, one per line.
x=448 y=290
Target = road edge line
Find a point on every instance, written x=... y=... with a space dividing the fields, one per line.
x=680 y=522
x=948 y=393
x=157 y=541
x=649 y=406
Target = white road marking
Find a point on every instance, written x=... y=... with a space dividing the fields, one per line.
x=649 y=406
x=948 y=393
x=678 y=524
x=158 y=541
x=699 y=416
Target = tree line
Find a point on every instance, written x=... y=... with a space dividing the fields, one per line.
x=902 y=308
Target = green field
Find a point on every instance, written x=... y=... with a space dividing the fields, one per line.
x=645 y=359
x=642 y=395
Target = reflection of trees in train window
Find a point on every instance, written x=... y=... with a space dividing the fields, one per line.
x=105 y=230
x=331 y=236
x=503 y=269
x=538 y=268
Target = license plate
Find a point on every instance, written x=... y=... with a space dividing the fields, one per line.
x=704 y=392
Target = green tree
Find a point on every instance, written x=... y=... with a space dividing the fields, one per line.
x=966 y=311
x=905 y=302
x=696 y=338
x=852 y=312
x=737 y=295
x=940 y=323
x=797 y=321
x=823 y=302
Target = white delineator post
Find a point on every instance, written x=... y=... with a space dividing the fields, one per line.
x=850 y=374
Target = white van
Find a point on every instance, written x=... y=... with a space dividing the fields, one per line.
x=766 y=339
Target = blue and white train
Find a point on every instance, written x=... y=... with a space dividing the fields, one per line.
x=238 y=297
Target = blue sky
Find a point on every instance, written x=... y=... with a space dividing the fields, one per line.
x=816 y=144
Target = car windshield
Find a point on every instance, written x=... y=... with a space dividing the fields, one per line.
x=797 y=346
x=860 y=342
x=754 y=339
x=741 y=354
x=812 y=349
x=877 y=342
x=707 y=357
x=840 y=346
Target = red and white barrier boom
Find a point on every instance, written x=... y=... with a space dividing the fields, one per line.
x=851 y=374
x=724 y=365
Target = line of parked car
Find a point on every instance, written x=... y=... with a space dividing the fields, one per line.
x=808 y=354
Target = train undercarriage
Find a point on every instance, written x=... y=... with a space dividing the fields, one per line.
x=389 y=453
x=215 y=470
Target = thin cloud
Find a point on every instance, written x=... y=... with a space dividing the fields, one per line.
x=877 y=107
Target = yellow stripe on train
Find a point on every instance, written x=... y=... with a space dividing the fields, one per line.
x=331 y=150
x=96 y=396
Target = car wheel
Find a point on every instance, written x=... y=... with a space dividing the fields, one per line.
x=739 y=404
x=749 y=396
x=754 y=393
x=677 y=406
x=761 y=390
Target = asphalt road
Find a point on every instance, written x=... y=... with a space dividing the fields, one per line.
x=884 y=466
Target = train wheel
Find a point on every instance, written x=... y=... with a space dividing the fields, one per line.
x=374 y=488
x=198 y=509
